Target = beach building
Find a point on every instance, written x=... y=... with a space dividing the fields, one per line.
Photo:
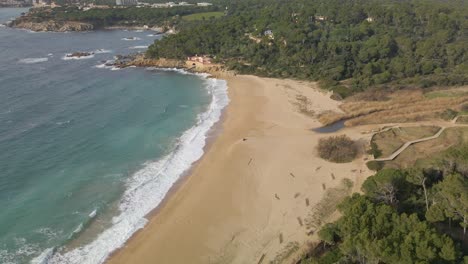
x=321 y=18
x=200 y=59
x=269 y=34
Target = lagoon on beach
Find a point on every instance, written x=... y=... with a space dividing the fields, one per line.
x=82 y=143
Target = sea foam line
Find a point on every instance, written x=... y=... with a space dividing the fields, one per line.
x=32 y=60
x=139 y=47
x=147 y=187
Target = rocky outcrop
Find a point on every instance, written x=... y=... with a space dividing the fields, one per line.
x=79 y=54
x=51 y=25
x=140 y=60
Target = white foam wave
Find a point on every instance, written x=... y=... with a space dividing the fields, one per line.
x=131 y=39
x=147 y=187
x=107 y=65
x=63 y=122
x=100 y=51
x=69 y=57
x=139 y=47
x=76 y=231
x=180 y=71
x=93 y=214
x=44 y=257
x=24 y=251
x=33 y=60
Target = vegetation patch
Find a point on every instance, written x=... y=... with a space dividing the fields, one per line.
x=203 y=16
x=447 y=93
x=462 y=120
x=352 y=45
x=339 y=149
x=393 y=221
x=285 y=253
x=303 y=104
x=448 y=114
x=322 y=212
x=385 y=143
x=426 y=154
x=375 y=165
x=399 y=106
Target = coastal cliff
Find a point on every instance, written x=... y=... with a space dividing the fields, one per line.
x=51 y=25
x=140 y=60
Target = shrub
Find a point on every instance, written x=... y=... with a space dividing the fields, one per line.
x=338 y=149
x=448 y=114
x=375 y=165
x=374 y=150
x=464 y=108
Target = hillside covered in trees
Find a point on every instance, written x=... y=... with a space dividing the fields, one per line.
x=416 y=215
x=129 y=16
x=348 y=45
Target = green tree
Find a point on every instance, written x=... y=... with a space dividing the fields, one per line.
x=451 y=200
x=386 y=186
x=376 y=233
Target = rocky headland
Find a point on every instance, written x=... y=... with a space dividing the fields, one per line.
x=51 y=25
x=140 y=60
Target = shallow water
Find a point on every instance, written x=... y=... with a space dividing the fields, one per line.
x=335 y=127
x=86 y=150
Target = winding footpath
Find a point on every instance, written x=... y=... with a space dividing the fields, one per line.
x=452 y=123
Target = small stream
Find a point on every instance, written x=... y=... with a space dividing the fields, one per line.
x=337 y=126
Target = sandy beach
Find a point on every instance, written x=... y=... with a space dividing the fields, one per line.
x=251 y=185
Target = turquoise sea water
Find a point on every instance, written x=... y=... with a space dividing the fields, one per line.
x=87 y=151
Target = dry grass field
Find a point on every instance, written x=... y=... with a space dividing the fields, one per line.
x=390 y=140
x=423 y=153
x=378 y=107
x=462 y=120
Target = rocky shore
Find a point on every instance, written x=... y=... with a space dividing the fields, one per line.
x=51 y=25
x=140 y=60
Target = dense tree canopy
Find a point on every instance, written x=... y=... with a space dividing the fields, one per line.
x=128 y=16
x=371 y=42
x=377 y=233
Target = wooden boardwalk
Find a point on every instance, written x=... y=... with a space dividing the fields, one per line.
x=409 y=143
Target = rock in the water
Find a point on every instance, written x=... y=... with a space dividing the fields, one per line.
x=79 y=54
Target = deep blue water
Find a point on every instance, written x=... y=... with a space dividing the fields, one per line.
x=87 y=151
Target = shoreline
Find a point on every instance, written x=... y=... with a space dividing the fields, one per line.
x=167 y=172
x=182 y=228
x=215 y=130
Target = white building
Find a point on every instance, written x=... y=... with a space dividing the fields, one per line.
x=126 y=2
x=204 y=4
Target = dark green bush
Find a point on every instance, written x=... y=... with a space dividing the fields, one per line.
x=375 y=165
x=338 y=149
